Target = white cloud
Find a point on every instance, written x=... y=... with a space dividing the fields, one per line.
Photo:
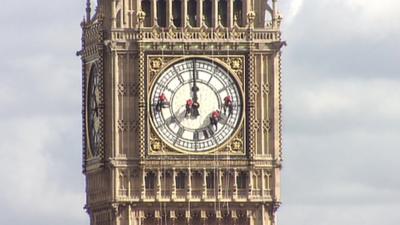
x=293 y=10
x=355 y=96
x=330 y=21
x=35 y=183
x=301 y=214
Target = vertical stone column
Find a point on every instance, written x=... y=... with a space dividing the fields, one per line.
x=215 y=19
x=204 y=183
x=247 y=9
x=230 y=14
x=184 y=12
x=189 y=184
x=199 y=19
x=219 y=184
x=268 y=185
x=113 y=7
x=129 y=183
x=173 y=194
x=153 y=12
x=274 y=9
x=125 y=13
x=235 y=187
x=250 y=184
x=250 y=217
x=169 y=13
x=143 y=185
x=262 y=183
x=141 y=217
x=158 y=184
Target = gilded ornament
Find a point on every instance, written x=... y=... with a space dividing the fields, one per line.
x=156 y=63
x=237 y=145
x=156 y=145
x=236 y=63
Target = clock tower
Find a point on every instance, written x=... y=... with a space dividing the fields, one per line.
x=182 y=112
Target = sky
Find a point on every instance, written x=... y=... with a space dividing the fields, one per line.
x=341 y=113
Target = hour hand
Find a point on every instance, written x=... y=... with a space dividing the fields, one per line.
x=195 y=89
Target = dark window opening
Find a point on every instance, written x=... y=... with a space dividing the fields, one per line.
x=146 y=8
x=223 y=12
x=210 y=180
x=150 y=180
x=118 y=21
x=180 y=180
x=207 y=12
x=161 y=13
x=241 y=180
x=177 y=13
x=238 y=12
x=192 y=12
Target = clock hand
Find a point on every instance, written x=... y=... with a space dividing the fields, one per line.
x=195 y=89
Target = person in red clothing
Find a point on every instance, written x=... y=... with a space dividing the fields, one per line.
x=215 y=117
x=189 y=107
x=162 y=100
x=228 y=105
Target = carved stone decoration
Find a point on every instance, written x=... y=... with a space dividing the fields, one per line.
x=219 y=32
x=203 y=32
x=142 y=106
x=251 y=109
x=127 y=126
x=157 y=63
x=237 y=145
x=256 y=88
x=250 y=18
x=266 y=126
x=236 y=64
x=256 y=126
x=155 y=33
x=128 y=89
x=188 y=34
x=265 y=89
x=171 y=34
x=156 y=145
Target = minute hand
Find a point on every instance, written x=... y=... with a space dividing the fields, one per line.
x=195 y=89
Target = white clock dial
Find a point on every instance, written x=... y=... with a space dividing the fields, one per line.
x=93 y=111
x=196 y=105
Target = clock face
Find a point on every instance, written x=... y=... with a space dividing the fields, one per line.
x=93 y=111
x=196 y=105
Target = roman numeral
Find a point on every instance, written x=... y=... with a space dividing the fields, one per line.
x=179 y=134
x=196 y=136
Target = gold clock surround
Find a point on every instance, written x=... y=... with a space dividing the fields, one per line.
x=235 y=145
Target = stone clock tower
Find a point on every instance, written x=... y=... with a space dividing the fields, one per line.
x=182 y=112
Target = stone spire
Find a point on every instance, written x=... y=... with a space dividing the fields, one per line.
x=88 y=10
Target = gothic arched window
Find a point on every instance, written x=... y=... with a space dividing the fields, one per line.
x=207 y=12
x=223 y=12
x=150 y=180
x=161 y=13
x=177 y=12
x=146 y=8
x=192 y=12
x=118 y=21
x=180 y=180
x=238 y=12
x=210 y=180
x=241 y=180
